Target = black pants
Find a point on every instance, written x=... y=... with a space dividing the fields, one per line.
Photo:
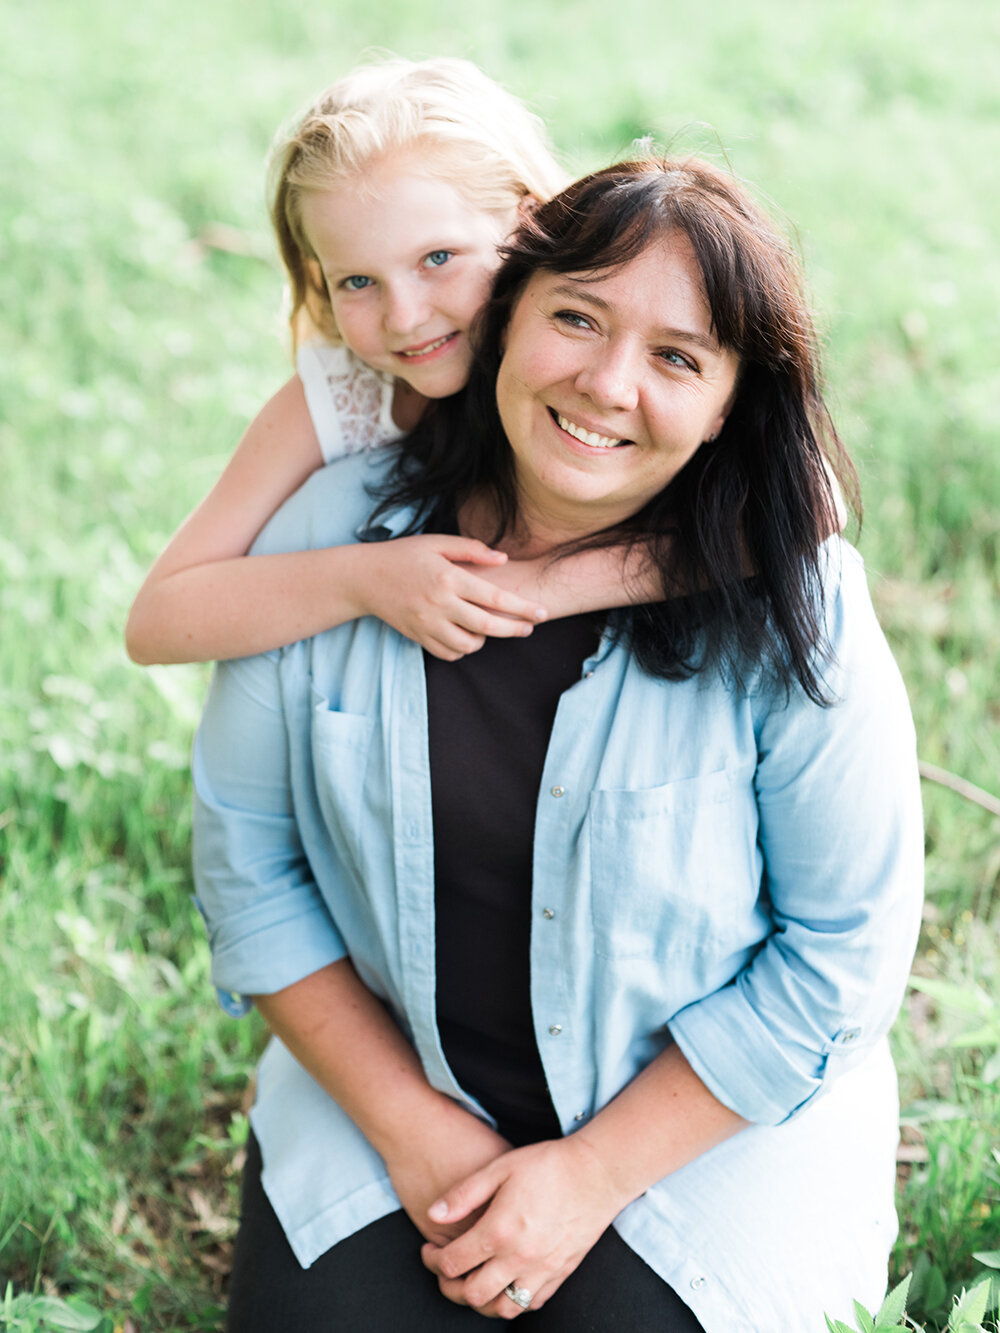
x=375 y=1282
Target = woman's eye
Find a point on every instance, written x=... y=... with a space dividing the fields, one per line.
x=573 y=319
x=438 y=257
x=678 y=359
x=357 y=282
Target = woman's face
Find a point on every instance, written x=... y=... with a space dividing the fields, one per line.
x=608 y=385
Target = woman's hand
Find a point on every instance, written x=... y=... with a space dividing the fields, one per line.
x=545 y=1206
x=418 y=586
x=444 y=1151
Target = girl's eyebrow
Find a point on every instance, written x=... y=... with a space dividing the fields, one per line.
x=419 y=249
x=577 y=293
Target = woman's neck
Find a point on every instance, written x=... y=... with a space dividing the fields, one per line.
x=536 y=533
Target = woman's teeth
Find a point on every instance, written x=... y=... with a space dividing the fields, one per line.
x=586 y=436
x=431 y=347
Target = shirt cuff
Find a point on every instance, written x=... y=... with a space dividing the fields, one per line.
x=273 y=957
x=739 y=1060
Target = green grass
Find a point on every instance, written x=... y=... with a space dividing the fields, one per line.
x=130 y=360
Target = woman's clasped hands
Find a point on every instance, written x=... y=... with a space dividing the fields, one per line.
x=543 y=1207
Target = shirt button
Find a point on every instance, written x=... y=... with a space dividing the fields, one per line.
x=587 y=675
x=697 y=1283
x=580 y=1115
x=548 y=913
x=849 y=1035
x=558 y=791
x=555 y=1029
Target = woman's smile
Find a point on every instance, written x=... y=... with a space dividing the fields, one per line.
x=592 y=438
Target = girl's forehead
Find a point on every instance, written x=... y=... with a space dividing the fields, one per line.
x=395 y=210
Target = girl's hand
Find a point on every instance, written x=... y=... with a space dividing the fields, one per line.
x=440 y=1154
x=546 y=1206
x=418 y=586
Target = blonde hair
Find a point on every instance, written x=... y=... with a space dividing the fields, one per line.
x=468 y=130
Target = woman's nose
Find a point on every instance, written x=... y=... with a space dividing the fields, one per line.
x=405 y=310
x=609 y=379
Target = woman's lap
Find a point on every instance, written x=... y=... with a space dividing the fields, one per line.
x=374 y=1281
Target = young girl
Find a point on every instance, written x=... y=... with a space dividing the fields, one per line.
x=391 y=197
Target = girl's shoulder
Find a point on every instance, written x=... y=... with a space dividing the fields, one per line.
x=350 y=404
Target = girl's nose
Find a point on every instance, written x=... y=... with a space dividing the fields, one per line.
x=609 y=379
x=406 y=309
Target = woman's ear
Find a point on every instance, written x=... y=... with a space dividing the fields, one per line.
x=720 y=420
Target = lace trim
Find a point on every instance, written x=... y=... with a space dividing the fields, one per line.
x=360 y=398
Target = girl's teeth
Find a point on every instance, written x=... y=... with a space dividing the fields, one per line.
x=431 y=347
x=586 y=436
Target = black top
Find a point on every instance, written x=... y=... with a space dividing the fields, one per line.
x=490 y=717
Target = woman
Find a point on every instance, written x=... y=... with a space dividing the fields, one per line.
x=638 y=899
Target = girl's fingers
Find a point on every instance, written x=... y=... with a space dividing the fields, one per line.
x=468 y=551
x=496 y=627
x=487 y=595
x=449 y=647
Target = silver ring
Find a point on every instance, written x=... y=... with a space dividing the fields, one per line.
x=519 y=1295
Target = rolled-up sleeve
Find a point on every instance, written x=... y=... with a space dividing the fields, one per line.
x=268 y=924
x=842 y=841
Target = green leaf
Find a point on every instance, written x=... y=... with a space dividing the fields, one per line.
x=57 y=1314
x=865 y=1322
x=935 y=1289
x=894 y=1306
x=970 y=1310
x=991 y=1258
x=983 y=1036
x=966 y=999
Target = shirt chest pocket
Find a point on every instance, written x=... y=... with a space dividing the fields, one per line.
x=341 y=743
x=675 y=869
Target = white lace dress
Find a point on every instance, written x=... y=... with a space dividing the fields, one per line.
x=350 y=404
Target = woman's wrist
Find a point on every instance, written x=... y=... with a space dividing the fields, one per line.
x=421 y=1117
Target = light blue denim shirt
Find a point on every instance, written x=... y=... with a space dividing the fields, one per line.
x=738 y=871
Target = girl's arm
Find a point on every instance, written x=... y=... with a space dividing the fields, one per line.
x=197 y=598
x=594 y=580
x=349 y=1043
x=203 y=600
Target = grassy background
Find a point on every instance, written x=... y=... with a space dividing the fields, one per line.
x=132 y=355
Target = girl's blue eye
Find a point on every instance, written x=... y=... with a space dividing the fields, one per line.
x=438 y=257
x=357 y=282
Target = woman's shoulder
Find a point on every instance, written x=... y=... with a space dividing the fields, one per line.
x=332 y=508
x=350 y=404
x=853 y=659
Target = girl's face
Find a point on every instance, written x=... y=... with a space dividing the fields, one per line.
x=408 y=263
x=609 y=383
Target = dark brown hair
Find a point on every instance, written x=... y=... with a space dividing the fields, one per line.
x=735 y=535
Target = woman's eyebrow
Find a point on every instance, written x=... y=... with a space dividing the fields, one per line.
x=580 y=293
